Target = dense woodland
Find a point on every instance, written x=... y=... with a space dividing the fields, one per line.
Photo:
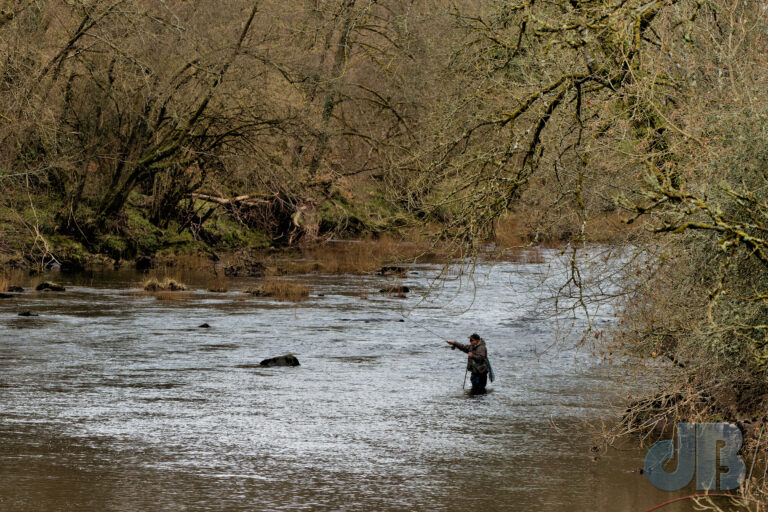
x=131 y=127
x=136 y=127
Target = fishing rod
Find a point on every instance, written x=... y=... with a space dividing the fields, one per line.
x=430 y=331
x=443 y=338
x=439 y=336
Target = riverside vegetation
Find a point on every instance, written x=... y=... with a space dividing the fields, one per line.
x=133 y=128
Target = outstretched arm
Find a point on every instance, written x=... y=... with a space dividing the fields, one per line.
x=460 y=346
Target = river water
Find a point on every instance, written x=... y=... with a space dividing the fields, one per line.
x=112 y=400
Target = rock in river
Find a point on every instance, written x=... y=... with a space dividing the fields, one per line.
x=399 y=290
x=286 y=360
x=47 y=285
x=389 y=270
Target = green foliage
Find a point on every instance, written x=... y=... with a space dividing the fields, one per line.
x=145 y=237
x=224 y=233
x=115 y=246
x=339 y=216
x=67 y=249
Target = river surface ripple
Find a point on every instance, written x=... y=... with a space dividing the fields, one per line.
x=111 y=400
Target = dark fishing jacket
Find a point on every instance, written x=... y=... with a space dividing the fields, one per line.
x=478 y=363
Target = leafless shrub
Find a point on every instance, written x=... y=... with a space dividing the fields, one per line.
x=166 y=285
x=281 y=289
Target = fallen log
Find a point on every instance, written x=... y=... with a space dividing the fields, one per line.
x=247 y=200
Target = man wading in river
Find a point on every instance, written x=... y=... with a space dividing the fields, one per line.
x=477 y=362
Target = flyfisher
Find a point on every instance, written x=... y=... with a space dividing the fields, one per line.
x=477 y=362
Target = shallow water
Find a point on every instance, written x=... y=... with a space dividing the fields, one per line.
x=115 y=401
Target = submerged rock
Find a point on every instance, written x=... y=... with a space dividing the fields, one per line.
x=15 y=289
x=27 y=313
x=390 y=270
x=286 y=360
x=5 y=296
x=49 y=286
x=396 y=290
